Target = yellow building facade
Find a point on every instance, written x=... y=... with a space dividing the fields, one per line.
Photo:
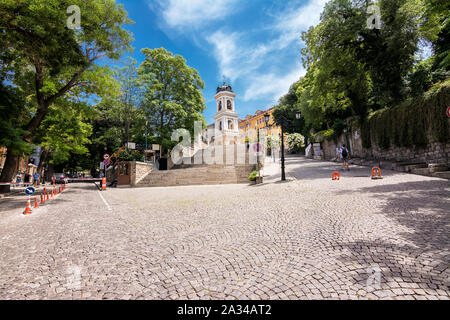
x=248 y=127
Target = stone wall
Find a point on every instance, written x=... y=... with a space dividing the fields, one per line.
x=198 y=175
x=434 y=152
x=138 y=170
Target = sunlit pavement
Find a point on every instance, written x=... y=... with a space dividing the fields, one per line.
x=307 y=238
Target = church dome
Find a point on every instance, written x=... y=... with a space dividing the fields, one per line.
x=224 y=87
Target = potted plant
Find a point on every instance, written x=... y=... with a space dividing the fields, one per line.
x=252 y=176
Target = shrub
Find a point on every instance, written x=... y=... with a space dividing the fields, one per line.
x=273 y=142
x=252 y=176
x=295 y=142
x=129 y=155
x=322 y=135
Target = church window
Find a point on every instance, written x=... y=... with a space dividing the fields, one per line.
x=220 y=105
x=228 y=104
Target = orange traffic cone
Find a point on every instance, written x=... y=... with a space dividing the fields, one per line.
x=42 y=199
x=104 y=183
x=335 y=176
x=28 y=207
x=48 y=196
x=376 y=173
x=36 y=202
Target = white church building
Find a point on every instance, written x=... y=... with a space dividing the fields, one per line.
x=225 y=129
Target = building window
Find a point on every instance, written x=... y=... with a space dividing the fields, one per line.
x=220 y=105
x=228 y=104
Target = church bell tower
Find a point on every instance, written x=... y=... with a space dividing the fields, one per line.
x=226 y=119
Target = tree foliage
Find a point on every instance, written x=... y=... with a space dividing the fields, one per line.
x=354 y=70
x=47 y=61
x=171 y=94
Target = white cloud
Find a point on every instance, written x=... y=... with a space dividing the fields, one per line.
x=292 y=21
x=194 y=13
x=233 y=55
x=258 y=65
x=274 y=85
x=261 y=66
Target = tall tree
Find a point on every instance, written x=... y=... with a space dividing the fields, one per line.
x=339 y=83
x=64 y=132
x=172 y=98
x=436 y=28
x=286 y=110
x=51 y=59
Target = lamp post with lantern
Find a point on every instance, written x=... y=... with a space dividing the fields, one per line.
x=266 y=121
x=283 y=123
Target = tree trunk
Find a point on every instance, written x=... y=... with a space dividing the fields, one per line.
x=8 y=170
x=42 y=162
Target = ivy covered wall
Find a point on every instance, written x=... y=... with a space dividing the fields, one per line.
x=415 y=123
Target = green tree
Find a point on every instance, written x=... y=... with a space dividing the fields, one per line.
x=338 y=82
x=49 y=60
x=65 y=132
x=286 y=110
x=171 y=94
x=436 y=28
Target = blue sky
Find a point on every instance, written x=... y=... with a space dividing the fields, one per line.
x=255 y=43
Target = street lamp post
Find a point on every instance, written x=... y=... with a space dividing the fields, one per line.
x=104 y=165
x=284 y=121
x=146 y=135
x=266 y=121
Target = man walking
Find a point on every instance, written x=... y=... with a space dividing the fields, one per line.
x=345 y=155
x=36 y=177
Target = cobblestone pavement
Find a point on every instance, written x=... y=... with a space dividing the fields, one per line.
x=308 y=238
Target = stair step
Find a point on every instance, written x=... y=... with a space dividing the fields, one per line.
x=421 y=171
x=441 y=174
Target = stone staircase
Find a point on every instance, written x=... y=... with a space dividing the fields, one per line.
x=198 y=175
x=439 y=170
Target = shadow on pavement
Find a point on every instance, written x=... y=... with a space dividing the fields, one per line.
x=421 y=206
x=317 y=169
x=19 y=200
x=390 y=259
x=424 y=208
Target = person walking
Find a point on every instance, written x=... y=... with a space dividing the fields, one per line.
x=338 y=154
x=36 y=177
x=345 y=156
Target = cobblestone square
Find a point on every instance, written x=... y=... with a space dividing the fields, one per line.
x=308 y=238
